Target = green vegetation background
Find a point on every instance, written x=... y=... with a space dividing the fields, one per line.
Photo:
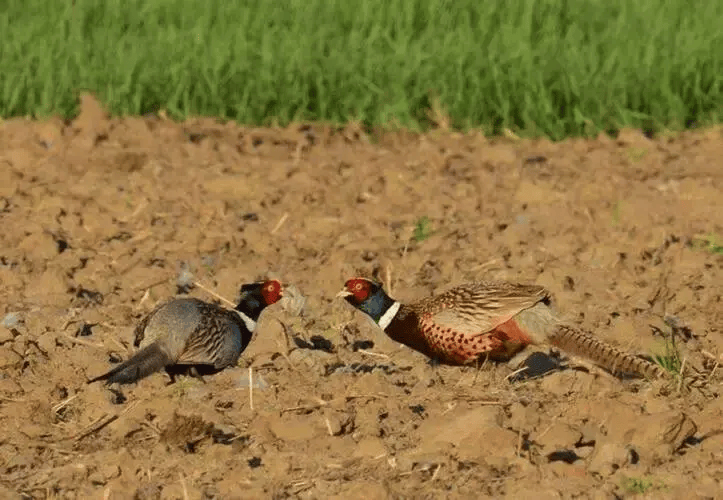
x=537 y=67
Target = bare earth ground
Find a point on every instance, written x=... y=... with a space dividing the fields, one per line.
x=99 y=218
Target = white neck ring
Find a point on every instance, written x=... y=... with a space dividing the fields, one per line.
x=250 y=324
x=389 y=315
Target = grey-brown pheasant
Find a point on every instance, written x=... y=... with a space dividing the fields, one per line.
x=185 y=333
x=485 y=319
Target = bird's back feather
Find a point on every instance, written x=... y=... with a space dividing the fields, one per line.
x=480 y=307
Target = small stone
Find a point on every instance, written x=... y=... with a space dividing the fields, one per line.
x=185 y=278
x=5 y=335
x=47 y=288
x=370 y=447
x=310 y=359
x=9 y=358
x=562 y=383
x=9 y=387
x=526 y=491
x=19 y=346
x=584 y=451
x=46 y=342
x=49 y=133
x=293 y=302
x=608 y=457
x=39 y=247
x=104 y=474
x=9 y=494
x=660 y=435
x=148 y=491
x=11 y=320
x=258 y=381
x=339 y=423
x=524 y=416
x=559 y=436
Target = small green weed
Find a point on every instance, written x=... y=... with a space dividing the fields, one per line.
x=640 y=485
x=710 y=243
x=636 y=154
x=617 y=210
x=422 y=229
x=183 y=385
x=670 y=360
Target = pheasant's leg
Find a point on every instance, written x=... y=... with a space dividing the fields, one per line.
x=479 y=368
x=193 y=371
x=434 y=362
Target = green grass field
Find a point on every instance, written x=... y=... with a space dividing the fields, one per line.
x=545 y=67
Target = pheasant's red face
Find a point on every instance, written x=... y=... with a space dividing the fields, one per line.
x=271 y=291
x=359 y=288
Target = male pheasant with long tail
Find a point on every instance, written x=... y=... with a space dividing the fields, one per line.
x=494 y=320
x=189 y=333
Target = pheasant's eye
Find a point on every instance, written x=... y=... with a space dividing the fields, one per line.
x=358 y=287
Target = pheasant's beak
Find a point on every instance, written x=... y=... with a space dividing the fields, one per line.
x=343 y=293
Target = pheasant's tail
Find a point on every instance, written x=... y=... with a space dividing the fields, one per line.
x=609 y=357
x=145 y=362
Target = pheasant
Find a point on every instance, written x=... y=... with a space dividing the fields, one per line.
x=189 y=333
x=494 y=320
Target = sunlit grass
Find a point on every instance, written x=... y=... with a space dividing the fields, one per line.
x=538 y=67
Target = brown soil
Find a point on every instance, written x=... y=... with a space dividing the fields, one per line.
x=100 y=216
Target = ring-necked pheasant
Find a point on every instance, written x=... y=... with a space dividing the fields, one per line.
x=485 y=319
x=189 y=333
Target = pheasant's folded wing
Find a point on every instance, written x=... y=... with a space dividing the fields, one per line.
x=478 y=308
x=202 y=344
x=217 y=341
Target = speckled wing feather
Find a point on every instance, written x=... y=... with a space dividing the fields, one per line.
x=477 y=308
x=218 y=340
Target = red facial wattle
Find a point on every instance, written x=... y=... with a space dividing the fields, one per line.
x=271 y=292
x=359 y=288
